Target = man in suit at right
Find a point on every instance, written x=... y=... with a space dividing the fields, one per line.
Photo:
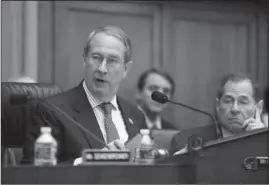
x=238 y=109
x=154 y=80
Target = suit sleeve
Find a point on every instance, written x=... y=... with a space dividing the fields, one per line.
x=144 y=125
x=142 y=122
x=178 y=142
x=42 y=115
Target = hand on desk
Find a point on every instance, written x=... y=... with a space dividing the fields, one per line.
x=114 y=145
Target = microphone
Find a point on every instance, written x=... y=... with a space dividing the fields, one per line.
x=96 y=156
x=159 y=97
x=23 y=99
x=162 y=98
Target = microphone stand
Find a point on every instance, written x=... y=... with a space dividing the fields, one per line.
x=78 y=124
x=200 y=111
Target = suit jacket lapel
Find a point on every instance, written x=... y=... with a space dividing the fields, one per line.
x=130 y=124
x=85 y=116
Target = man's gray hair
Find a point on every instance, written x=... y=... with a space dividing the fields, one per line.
x=112 y=31
x=239 y=77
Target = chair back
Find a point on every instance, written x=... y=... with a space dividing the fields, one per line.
x=16 y=111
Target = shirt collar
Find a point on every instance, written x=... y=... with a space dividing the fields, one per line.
x=114 y=103
x=150 y=123
x=226 y=133
x=94 y=102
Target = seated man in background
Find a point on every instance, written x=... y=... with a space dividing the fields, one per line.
x=239 y=105
x=150 y=81
x=238 y=108
x=93 y=104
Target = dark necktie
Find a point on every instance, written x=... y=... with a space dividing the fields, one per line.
x=111 y=130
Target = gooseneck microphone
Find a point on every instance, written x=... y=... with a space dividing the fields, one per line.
x=162 y=98
x=77 y=124
x=23 y=99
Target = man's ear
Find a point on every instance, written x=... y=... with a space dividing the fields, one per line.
x=217 y=104
x=127 y=67
x=260 y=105
x=84 y=59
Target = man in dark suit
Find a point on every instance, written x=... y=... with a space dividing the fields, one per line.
x=150 y=81
x=93 y=103
x=238 y=109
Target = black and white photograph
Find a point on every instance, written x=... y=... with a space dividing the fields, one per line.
x=134 y=92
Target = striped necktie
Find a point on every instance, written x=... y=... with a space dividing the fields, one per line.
x=111 y=130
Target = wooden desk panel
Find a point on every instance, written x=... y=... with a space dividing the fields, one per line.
x=97 y=174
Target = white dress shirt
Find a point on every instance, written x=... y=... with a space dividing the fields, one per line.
x=115 y=113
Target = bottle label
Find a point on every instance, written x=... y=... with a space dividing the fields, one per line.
x=45 y=151
x=145 y=153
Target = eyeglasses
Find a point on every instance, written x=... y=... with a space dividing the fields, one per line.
x=166 y=91
x=241 y=102
x=111 y=62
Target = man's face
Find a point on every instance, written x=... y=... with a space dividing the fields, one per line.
x=104 y=67
x=154 y=82
x=236 y=105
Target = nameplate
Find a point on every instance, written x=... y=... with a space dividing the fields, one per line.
x=256 y=163
x=99 y=156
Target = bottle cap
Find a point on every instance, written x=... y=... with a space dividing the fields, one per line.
x=45 y=129
x=144 y=131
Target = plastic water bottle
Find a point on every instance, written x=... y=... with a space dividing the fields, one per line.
x=145 y=154
x=45 y=149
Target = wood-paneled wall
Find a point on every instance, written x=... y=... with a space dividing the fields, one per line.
x=206 y=42
x=19 y=39
x=196 y=42
x=11 y=39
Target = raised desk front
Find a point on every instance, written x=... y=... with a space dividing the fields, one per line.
x=223 y=161
x=99 y=174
